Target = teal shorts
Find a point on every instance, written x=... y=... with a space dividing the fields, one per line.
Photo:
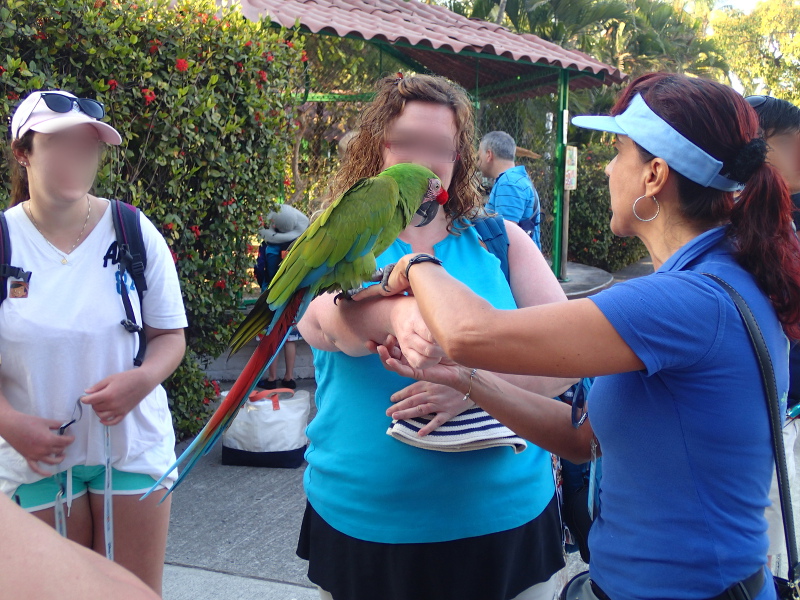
x=42 y=494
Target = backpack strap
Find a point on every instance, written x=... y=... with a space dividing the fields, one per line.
x=492 y=231
x=132 y=259
x=6 y=270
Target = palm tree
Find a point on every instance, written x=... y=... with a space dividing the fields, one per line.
x=634 y=36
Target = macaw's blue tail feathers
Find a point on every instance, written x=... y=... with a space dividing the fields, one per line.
x=262 y=357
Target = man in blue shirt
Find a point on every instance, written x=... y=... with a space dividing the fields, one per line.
x=513 y=195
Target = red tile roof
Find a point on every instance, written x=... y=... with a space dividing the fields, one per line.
x=468 y=50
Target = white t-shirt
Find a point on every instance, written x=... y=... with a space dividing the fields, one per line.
x=66 y=336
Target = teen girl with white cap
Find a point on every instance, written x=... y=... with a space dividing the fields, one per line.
x=65 y=358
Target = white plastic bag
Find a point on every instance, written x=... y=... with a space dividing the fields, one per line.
x=270 y=431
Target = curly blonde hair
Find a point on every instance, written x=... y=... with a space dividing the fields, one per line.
x=364 y=155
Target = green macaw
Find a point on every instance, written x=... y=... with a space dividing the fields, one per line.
x=336 y=253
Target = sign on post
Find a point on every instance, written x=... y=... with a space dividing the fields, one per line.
x=571 y=170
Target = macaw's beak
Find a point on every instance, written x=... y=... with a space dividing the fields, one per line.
x=427 y=210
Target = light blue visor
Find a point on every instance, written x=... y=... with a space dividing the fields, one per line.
x=658 y=137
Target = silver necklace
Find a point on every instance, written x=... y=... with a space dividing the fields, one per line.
x=63 y=256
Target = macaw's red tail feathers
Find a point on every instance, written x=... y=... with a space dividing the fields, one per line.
x=263 y=355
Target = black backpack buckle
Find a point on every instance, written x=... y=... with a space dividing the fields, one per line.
x=7 y=271
x=130 y=326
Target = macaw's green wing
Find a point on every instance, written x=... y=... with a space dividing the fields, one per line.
x=345 y=233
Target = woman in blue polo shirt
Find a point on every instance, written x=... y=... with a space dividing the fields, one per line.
x=680 y=415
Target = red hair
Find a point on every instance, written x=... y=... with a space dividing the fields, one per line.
x=722 y=123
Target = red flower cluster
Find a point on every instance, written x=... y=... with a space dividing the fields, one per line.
x=287 y=182
x=181 y=64
x=40 y=35
x=289 y=44
x=13 y=96
x=220 y=284
x=169 y=226
x=154 y=46
x=112 y=84
x=229 y=202
x=213 y=383
x=195 y=230
x=239 y=67
x=262 y=75
x=2 y=69
x=174 y=256
x=248 y=43
x=99 y=3
x=304 y=57
x=149 y=95
x=268 y=56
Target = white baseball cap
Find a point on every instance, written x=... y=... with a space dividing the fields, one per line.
x=35 y=114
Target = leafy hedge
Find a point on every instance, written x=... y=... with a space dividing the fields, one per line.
x=591 y=241
x=206 y=104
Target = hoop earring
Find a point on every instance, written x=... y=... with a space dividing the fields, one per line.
x=658 y=209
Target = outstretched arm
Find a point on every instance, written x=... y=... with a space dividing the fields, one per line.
x=533 y=284
x=38 y=563
x=568 y=339
x=349 y=326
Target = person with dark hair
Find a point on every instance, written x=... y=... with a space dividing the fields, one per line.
x=780 y=124
x=513 y=194
x=678 y=408
x=385 y=519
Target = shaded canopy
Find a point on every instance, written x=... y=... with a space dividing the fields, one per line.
x=485 y=58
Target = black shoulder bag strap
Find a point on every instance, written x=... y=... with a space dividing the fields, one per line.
x=788 y=588
x=6 y=270
x=132 y=259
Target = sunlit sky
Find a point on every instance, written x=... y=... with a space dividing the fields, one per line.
x=743 y=5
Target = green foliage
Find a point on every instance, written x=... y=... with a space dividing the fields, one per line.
x=591 y=241
x=190 y=395
x=763 y=47
x=635 y=36
x=336 y=66
x=206 y=106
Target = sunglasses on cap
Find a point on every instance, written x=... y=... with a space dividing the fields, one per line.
x=59 y=103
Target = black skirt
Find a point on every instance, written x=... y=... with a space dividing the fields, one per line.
x=497 y=566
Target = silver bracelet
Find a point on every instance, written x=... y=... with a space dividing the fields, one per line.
x=466 y=397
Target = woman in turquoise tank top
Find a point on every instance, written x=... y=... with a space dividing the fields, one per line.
x=385 y=519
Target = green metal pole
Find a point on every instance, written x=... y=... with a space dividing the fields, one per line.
x=560 y=167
